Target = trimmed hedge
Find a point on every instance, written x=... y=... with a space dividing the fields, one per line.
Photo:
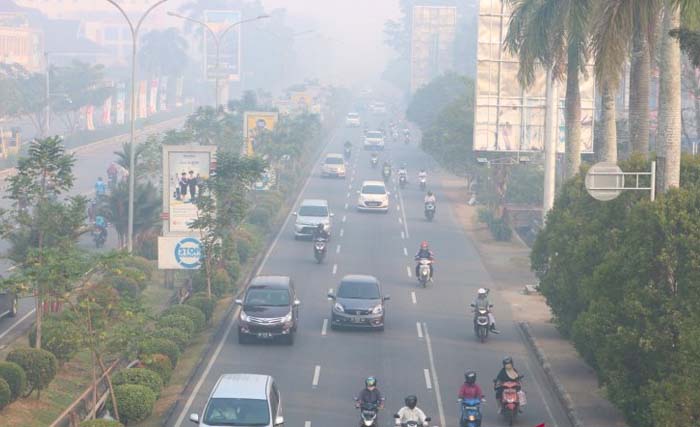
x=196 y=315
x=5 y=393
x=160 y=364
x=160 y=346
x=101 y=423
x=15 y=376
x=205 y=304
x=178 y=322
x=59 y=336
x=139 y=376
x=39 y=365
x=180 y=338
x=135 y=402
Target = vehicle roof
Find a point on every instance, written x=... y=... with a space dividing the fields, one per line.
x=241 y=386
x=278 y=282
x=334 y=155
x=314 y=202
x=373 y=183
x=359 y=278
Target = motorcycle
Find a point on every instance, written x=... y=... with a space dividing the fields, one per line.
x=422 y=182
x=424 y=271
x=481 y=323
x=374 y=161
x=348 y=152
x=402 y=179
x=429 y=211
x=471 y=413
x=511 y=400
x=319 y=250
x=99 y=235
x=368 y=414
x=410 y=423
x=386 y=173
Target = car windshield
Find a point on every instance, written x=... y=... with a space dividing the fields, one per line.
x=320 y=211
x=358 y=290
x=374 y=134
x=237 y=412
x=334 y=161
x=373 y=189
x=267 y=297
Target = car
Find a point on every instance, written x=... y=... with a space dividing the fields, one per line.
x=373 y=197
x=242 y=400
x=8 y=303
x=333 y=165
x=269 y=310
x=374 y=140
x=311 y=213
x=358 y=303
x=352 y=120
x=378 y=107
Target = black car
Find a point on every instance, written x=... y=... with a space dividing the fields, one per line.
x=358 y=303
x=269 y=310
x=8 y=303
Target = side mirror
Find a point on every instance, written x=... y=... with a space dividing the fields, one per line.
x=279 y=421
x=331 y=297
x=194 y=418
x=239 y=302
x=386 y=298
x=296 y=302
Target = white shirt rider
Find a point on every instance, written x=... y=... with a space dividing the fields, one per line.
x=429 y=198
x=407 y=414
x=422 y=174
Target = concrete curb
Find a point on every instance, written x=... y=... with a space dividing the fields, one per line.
x=561 y=392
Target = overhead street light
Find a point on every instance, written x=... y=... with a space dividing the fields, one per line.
x=217 y=41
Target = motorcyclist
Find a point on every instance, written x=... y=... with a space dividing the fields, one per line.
x=370 y=394
x=507 y=373
x=430 y=198
x=320 y=233
x=101 y=226
x=100 y=188
x=386 y=169
x=402 y=171
x=422 y=174
x=375 y=157
x=424 y=253
x=411 y=412
x=482 y=301
x=470 y=389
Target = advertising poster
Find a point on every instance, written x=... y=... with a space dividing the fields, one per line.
x=433 y=30
x=89 y=117
x=153 y=98
x=186 y=169
x=143 y=100
x=107 y=111
x=121 y=97
x=255 y=123
x=163 y=94
x=179 y=253
x=230 y=45
x=301 y=100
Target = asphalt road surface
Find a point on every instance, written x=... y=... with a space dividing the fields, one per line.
x=428 y=342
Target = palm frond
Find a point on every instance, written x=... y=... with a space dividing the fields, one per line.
x=612 y=29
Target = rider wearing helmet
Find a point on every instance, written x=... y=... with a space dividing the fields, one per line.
x=507 y=373
x=370 y=394
x=470 y=389
x=424 y=253
x=482 y=301
x=411 y=412
x=320 y=232
x=422 y=173
x=429 y=198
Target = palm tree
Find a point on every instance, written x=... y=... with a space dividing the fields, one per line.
x=163 y=52
x=554 y=33
x=147 y=206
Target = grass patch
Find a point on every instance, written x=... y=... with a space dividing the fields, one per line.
x=156 y=296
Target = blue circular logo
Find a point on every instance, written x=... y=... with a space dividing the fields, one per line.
x=188 y=252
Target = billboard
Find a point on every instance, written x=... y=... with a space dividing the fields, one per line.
x=254 y=124
x=229 y=45
x=508 y=118
x=179 y=252
x=185 y=168
x=432 y=43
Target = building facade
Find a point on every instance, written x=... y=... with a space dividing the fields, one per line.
x=19 y=43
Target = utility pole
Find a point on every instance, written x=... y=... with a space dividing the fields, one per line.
x=47 y=120
x=551 y=128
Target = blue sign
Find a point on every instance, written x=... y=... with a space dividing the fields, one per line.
x=188 y=253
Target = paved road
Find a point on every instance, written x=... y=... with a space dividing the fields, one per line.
x=428 y=342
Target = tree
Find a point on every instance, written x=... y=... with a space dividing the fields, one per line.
x=147 y=207
x=428 y=102
x=163 y=52
x=554 y=33
x=23 y=94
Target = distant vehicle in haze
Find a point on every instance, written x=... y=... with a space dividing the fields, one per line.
x=374 y=140
x=333 y=165
x=378 y=108
x=311 y=213
x=352 y=120
x=358 y=303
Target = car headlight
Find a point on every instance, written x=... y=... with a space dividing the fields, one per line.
x=244 y=317
x=339 y=308
x=288 y=318
x=378 y=309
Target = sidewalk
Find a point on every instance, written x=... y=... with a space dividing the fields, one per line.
x=508 y=264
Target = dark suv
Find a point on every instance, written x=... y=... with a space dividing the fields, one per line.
x=269 y=310
x=359 y=303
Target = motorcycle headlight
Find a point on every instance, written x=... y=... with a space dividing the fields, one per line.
x=378 y=309
x=244 y=317
x=339 y=308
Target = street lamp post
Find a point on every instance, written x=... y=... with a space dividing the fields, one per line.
x=47 y=122
x=217 y=41
x=132 y=148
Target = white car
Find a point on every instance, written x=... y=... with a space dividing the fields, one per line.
x=374 y=140
x=352 y=120
x=311 y=213
x=373 y=197
x=333 y=165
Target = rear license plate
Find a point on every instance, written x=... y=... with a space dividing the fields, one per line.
x=264 y=335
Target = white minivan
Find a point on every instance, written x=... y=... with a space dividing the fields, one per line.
x=311 y=213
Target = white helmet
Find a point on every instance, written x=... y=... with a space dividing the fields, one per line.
x=482 y=291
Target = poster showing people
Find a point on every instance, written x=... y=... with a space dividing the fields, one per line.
x=187 y=168
x=121 y=97
x=255 y=123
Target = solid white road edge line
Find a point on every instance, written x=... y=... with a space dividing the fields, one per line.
x=540 y=393
x=413 y=297
x=428 y=384
x=324 y=328
x=317 y=375
x=405 y=251
x=419 y=330
x=14 y=325
x=438 y=396
x=307 y=423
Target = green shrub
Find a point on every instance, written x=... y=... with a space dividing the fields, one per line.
x=180 y=338
x=5 y=393
x=247 y=245
x=189 y=311
x=101 y=423
x=160 y=346
x=222 y=282
x=261 y=216
x=40 y=366
x=15 y=377
x=126 y=285
x=135 y=402
x=160 y=364
x=59 y=336
x=143 y=265
x=485 y=215
x=178 y=322
x=205 y=304
x=500 y=230
x=139 y=376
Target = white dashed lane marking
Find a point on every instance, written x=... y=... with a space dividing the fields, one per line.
x=317 y=376
x=405 y=251
x=335 y=269
x=408 y=271
x=413 y=297
x=324 y=328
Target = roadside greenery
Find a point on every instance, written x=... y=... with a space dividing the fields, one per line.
x=621 y=277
